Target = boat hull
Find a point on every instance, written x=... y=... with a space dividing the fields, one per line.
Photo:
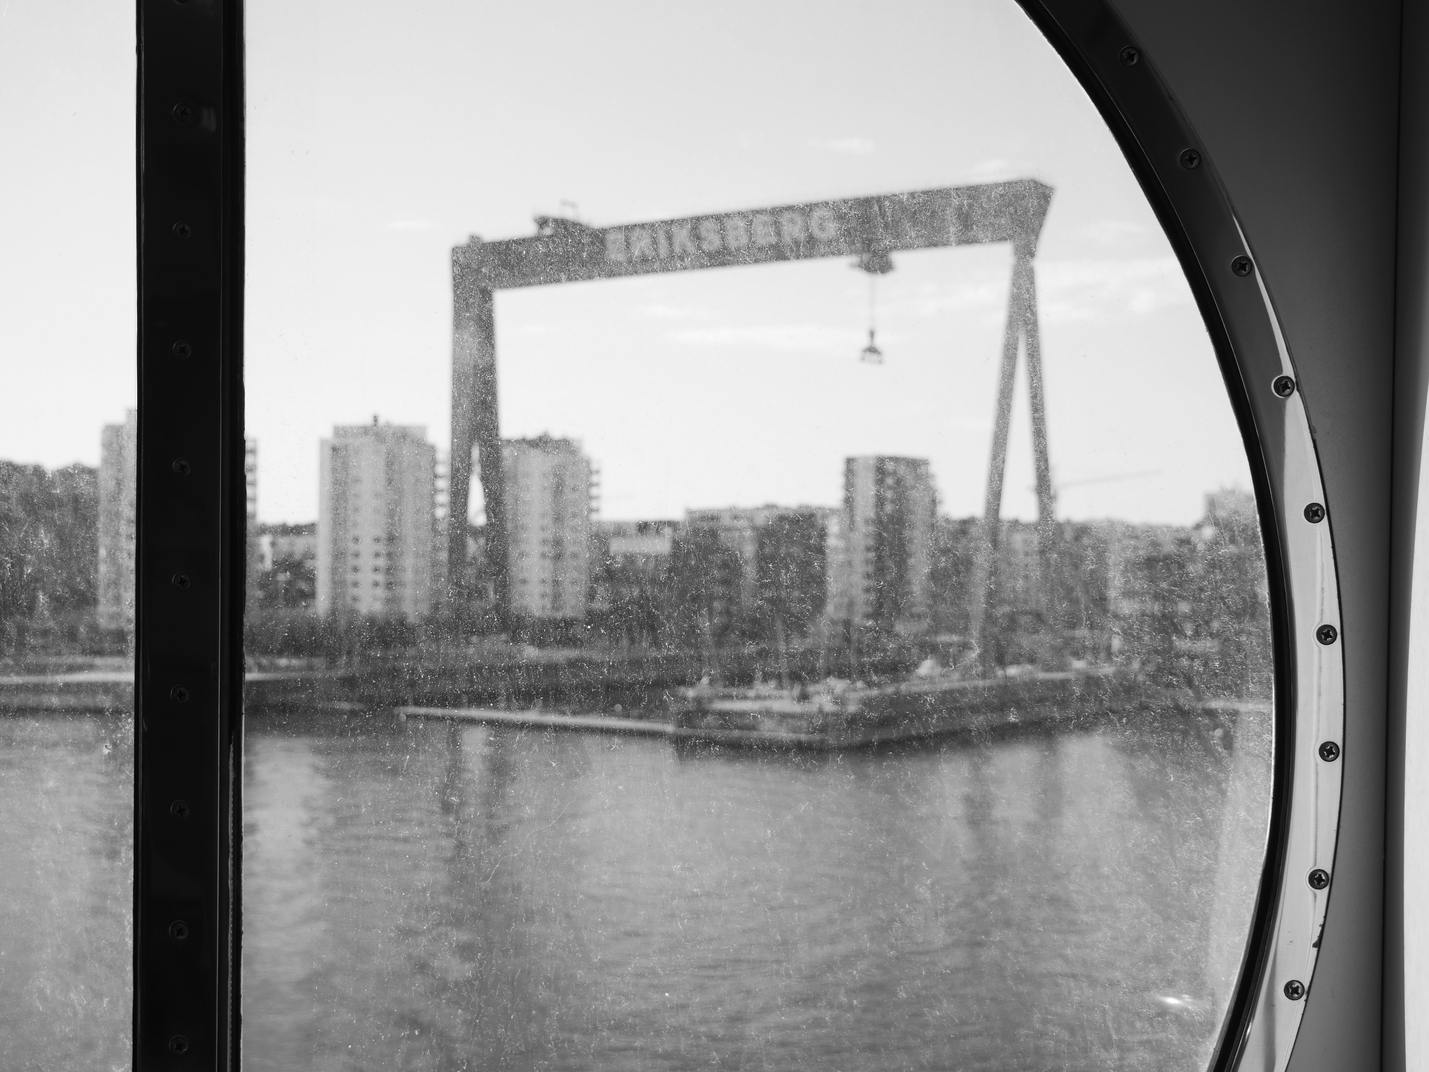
x=855 y=717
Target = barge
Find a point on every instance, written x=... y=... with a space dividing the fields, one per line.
x=838 y=714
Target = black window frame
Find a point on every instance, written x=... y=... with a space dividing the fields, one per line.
x=191 y=539
x=190 y=548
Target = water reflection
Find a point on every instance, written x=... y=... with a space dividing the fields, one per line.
x=435 y=896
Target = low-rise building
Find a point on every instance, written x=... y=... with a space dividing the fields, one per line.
x=782 y=553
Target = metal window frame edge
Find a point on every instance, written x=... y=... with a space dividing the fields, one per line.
x=1182 y=184
x=1406 y=932
x=190 y=535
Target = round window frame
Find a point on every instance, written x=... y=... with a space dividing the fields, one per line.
x=1195 y=211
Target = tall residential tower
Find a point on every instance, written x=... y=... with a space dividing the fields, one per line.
x=548 y=486
x=375 y=521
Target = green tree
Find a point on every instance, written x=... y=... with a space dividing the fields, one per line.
x=790 y=573
x=704 y=588
x=49 y=552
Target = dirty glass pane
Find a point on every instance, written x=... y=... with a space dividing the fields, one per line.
x=753 y=562
x=67 y=328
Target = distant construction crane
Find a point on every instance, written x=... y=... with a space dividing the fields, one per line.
x=565 y=250
x=1111 y=478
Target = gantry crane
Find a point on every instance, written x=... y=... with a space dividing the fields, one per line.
x=868 y=228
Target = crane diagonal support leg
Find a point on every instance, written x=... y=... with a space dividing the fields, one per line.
x=981 y=587
x=1041 y=454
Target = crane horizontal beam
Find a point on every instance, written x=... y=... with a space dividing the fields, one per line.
x=568 y=251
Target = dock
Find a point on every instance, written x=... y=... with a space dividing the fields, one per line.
x=972 y=709
x=630 y=727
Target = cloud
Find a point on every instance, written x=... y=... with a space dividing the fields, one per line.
x=849 y=146
x=992 y=169
x=789 y=338
x=409 y=225
x=981 y=295
x=660 y=311
x=1084 y=290
x=1067 y=291
x=1113 y=232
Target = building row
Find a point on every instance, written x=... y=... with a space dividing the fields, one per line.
x=883 y=560
x=380 y=543
x=379 y=546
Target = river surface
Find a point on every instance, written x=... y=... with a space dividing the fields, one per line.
x=429 y=896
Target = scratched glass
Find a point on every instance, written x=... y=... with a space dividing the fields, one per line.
x=729 y=587
x=67 y=329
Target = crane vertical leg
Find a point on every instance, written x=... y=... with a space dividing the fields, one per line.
x=985 y=553
x=475 y=424
x=459 y=580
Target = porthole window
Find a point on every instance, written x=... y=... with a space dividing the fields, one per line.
x=851 y=583
x=839 y=620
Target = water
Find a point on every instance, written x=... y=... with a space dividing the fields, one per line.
x=435 y=896
x=428 y=896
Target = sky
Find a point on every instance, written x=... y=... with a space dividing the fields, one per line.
x=380 y=134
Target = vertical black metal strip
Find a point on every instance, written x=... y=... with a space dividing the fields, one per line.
x=236 y=515
x=190 y=544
